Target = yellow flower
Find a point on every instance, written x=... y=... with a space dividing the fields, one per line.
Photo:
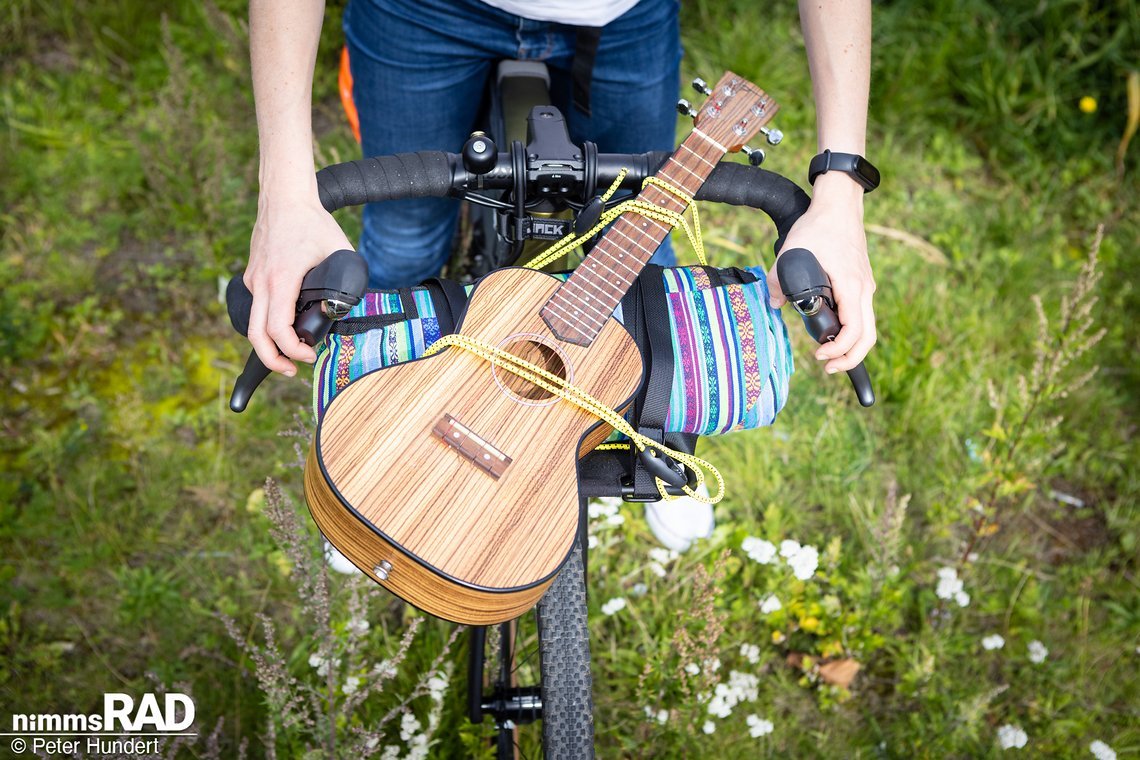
x=1088 y=104
x=777 y=637
x=810 y=624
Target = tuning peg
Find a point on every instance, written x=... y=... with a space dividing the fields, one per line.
x=686 y=108
x=755 y=155
x=774 y=135
x=702 y=86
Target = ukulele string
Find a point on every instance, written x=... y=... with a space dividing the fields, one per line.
x=564 y=389
x=656 y=213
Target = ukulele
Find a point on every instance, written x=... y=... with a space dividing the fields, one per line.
x=452 y=482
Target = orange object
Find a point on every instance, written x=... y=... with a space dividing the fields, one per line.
x=344 y=84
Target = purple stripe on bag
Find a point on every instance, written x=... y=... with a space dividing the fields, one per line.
x=687 y=356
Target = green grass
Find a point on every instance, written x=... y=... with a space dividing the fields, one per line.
x=131 y=509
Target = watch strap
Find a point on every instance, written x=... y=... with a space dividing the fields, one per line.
x=852 y=164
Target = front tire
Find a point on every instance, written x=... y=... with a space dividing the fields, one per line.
x=564 y=651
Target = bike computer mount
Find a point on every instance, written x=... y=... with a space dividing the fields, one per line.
x=550 y=174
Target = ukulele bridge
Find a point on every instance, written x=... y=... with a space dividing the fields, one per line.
x=481 y=453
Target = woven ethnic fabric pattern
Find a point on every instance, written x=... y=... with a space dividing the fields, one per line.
x=732 y=359
x=343 y=358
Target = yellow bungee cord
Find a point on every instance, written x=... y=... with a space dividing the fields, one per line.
x=559 y=386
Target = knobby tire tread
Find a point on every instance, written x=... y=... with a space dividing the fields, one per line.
x=564 y=651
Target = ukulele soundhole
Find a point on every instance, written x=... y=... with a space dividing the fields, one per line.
x=538 y=352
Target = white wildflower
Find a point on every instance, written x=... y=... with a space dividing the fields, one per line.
x=693 y=669
x=409 y=725
x=662 y=556
x=758 y=726
x=658 y=569
x=708 y=727
x=1011 y=737
x=992 y=642
x=1102 y=751
x=949 y=585
x=592 y=542
x=962 y=598
x=391 y=752
x=750 y=652
x=770 y=604
x=615 y=519
x=789 y=548
x=662 y=716
x=1038 y=652
x=322 y=665
x=384 y=669
x=759 y=550
x=359 y=626
x=351 y=685
x=719 y=706
x=639 y=589
x=648 y=712
x=604 y=507
x=713 y=665
x=972 y=557
x=418 y=747
x=804 y=562
x=744 y=686
x=437 y=687
x=614 y=605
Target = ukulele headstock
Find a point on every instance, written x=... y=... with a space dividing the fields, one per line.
x=734 y=112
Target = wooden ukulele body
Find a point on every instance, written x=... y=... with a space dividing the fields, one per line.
x=453 y=483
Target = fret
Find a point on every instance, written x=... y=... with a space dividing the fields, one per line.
x=618 y=260
x=650 y=251
x=566 y=313
x=701 y=158
x=718 y=146
x=596 y=262
x=671 y=164
x=596 y=286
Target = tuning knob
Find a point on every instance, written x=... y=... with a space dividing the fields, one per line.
x=702 y=86
x=755 y=155
x=685 y=108
x=774 y=135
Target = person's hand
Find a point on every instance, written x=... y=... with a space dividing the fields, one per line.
x=832 y=229
x=293 y=234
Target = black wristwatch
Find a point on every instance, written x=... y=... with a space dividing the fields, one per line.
x=858 y=168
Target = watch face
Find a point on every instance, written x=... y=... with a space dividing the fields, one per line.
x=866 y=169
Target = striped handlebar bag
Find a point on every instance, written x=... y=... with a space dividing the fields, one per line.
x=731 y=359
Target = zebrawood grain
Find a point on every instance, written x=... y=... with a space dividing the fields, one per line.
x=471 y=548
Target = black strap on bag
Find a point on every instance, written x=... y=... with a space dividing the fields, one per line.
x=646 y=312
x=582 y=69
x=450 y=299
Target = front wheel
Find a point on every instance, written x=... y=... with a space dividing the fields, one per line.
x=564 y=652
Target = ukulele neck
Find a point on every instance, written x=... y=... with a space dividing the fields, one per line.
x=580 y=307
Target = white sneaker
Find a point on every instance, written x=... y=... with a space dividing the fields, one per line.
x=681 y=521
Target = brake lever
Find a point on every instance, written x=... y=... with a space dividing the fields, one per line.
x=328 y=293
x=808 y=289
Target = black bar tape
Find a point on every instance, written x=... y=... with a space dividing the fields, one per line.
x=426 y=174
x=777 y=196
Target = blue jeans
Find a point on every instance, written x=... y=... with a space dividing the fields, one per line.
x=419 y=71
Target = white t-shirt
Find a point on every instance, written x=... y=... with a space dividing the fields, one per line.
x=574 y=12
